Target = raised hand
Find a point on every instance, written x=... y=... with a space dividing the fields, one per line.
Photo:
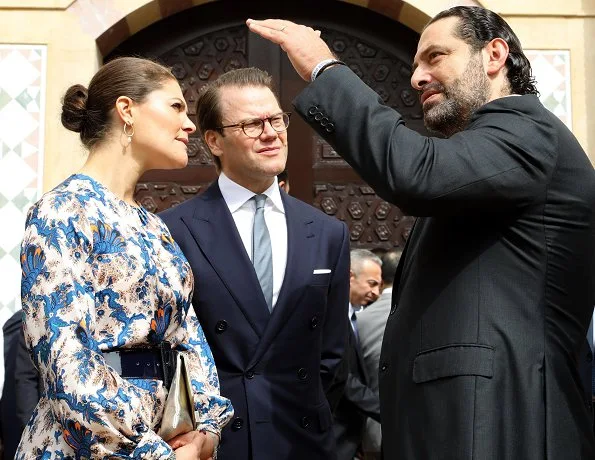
x=303 y=45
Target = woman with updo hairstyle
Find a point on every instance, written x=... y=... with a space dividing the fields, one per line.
x=105 y=289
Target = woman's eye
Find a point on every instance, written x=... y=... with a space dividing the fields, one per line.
x=177 y=106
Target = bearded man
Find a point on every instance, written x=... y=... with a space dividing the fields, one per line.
x=495 y=289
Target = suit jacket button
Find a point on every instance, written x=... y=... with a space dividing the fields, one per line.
x=314 y=322
x=306 y=422
x=302 y=373
x=393 y=309
x=237 y=424
x=384 y=367
x=221 y=326
x=330 y=128
x=319 y=116
x=250 y=374
x=313 y=110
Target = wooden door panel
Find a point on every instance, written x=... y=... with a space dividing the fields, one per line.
x=201 y=43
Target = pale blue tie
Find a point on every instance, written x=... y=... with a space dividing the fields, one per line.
x=262 y=254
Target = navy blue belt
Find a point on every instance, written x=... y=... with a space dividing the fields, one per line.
x=144 y=363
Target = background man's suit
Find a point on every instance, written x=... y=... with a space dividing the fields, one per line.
x=370 y=324
x=22 y=387
x=357 y=403
x=496 y=285
x=274 y=367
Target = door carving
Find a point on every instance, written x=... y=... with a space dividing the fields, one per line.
x=198 y=45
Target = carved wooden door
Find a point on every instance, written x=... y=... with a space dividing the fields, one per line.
x=203 y=42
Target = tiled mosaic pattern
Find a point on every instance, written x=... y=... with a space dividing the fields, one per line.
x=22 y=115
x=551 y=69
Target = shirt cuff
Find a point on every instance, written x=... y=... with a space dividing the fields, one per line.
x=323 y=65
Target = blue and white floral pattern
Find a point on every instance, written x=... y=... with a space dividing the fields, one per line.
x=100 y=274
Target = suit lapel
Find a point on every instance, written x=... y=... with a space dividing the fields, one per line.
x=215 y=232
x=301 y=241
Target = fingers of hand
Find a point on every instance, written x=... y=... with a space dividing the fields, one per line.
x=188 y=451
x=272 y=24
x=265 y=32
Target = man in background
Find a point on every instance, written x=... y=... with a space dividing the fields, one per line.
x=371 y=322
x=358 y=401
x=283 y=181
x=22 y=386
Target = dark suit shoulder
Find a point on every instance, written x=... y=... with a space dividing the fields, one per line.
x=306 y=210
x=190 y=206
x=13 y=324
x=516 y=113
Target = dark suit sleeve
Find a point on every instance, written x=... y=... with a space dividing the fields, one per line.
x=501 y=161
x=357 y=392
x=334 y=335
x=27 y=388
x=362 y=397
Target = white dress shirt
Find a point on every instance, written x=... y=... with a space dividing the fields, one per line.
x=242 y=208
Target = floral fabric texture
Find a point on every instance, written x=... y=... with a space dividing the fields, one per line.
x=101 y=274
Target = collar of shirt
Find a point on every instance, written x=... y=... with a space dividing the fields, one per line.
x=388 y=290
x=236 y=196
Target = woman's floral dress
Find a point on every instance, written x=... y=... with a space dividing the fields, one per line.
x=100 y=274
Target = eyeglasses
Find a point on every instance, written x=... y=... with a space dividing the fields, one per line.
x=255 y=127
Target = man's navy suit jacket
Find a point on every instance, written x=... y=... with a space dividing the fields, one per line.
x=275 y=367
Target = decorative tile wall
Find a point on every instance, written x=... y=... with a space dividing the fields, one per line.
x=22 y=115
x=551 y=69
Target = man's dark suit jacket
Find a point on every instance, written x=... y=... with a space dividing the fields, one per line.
x=274 y=367
x=356 y=404
x=21 y=390
x=585 y=368
x=496 y=285
x=371 y=322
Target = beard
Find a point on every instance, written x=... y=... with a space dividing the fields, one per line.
x=459 y=100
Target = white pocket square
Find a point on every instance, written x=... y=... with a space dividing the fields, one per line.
x=320 y=271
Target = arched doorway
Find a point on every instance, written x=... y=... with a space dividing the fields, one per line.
x=202 y=42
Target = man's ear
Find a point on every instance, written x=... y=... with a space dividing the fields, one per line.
x=495 y=53
x=124 y=109
x=213 y=140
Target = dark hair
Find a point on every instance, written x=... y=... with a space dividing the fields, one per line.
x=89 y=111
x=208 y=107
x=477 y=27
x=390 y=262
x=282 y=176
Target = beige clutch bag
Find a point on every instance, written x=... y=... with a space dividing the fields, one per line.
x=178 y=414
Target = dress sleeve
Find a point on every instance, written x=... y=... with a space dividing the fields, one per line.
x=100 y=414
x=213 y=410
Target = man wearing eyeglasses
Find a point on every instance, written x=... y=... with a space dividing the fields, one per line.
x=271 y=278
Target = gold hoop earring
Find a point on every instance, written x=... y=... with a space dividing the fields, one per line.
x=126 y=133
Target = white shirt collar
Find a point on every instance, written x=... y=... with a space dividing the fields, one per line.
x=236 y=196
